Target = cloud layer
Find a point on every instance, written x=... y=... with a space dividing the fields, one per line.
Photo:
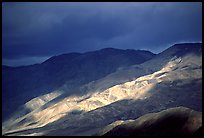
x=47 y=29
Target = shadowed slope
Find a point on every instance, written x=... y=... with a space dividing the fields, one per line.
x=21 y=84
x=178 y=121
x=176 y=83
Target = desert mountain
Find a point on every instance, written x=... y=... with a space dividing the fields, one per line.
x=21 y=84
x=170 y=79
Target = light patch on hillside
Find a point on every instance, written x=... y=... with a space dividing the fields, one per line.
x=32 y=105
x=42 y=100
x=137 y=89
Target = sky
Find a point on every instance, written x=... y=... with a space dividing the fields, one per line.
x=34 y=31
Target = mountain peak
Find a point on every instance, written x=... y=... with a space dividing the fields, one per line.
x=63 y=57
x=187 y=44
x=109 y=49
x=182 y=49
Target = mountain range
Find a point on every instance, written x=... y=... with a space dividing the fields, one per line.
x=73 y=69
x=83 y=93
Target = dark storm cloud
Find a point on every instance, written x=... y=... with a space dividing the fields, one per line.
x=45 y=29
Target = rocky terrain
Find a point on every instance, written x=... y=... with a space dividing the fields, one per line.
x=170 y=79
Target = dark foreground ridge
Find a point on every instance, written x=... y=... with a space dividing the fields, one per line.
x=179 y=121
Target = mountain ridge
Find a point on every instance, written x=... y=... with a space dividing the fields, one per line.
x=179 y=121
x=171 y=82
x=74 y=69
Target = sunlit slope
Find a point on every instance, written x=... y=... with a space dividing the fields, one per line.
x=21 y=84
x=125 y=74
x=176 y=83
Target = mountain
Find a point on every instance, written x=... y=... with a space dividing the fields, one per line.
x=193 y=50
x=171 y=78
x=21 y=84
x=177 y=121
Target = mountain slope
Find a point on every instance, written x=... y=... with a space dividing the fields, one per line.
x=178 y=121
x=178 y=82
x=74 y=70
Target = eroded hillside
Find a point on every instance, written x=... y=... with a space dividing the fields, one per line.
x=173 y=78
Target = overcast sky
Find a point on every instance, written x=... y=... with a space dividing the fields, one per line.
x=33 y=32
